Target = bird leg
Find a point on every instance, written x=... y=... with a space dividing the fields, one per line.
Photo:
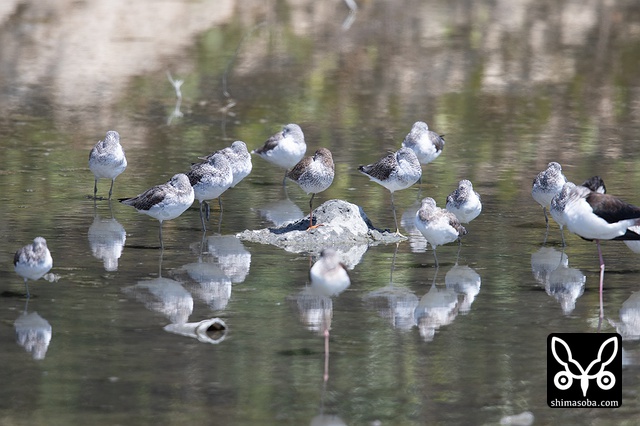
x=204 y=227
x=161 y=243
x=26 y=285
x=311 y=225
x=395 y=219
x=111 y=188
x=601 y=278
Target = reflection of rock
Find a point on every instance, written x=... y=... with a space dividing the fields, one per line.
x=566 y=285
x=33 y=333
x=435 y=309
x=234 y=259
x=464 y=281
x=395 y=303
x=212 y=330
x=546 y=260
x=629 y=326
x=281 y=212
x=106 y=238
x=343 y=225
x=165 y=296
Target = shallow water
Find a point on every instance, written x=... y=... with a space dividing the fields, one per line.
x=512 y=86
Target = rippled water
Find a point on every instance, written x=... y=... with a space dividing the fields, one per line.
x=512 y=86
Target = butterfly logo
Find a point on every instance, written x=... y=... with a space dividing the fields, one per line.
x=564 y=379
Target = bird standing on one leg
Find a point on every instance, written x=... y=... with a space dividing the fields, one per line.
x=107 y=160
x=32 y=261
x=314 y=174
x=164 y=202
x=438 y=226
x=546 y=185
x=395 y=172
x=596 y=216
x=284 y=149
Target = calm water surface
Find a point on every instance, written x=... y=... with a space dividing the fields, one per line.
x=512 y=86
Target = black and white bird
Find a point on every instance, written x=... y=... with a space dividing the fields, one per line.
x=596 y=216
x=33 y=261
x=107 y=160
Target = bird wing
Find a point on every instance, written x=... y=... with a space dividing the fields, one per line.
x=612 y=209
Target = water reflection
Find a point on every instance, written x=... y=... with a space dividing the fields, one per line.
x=551 y=269
x=212 y=285
x=233 y=258
x=437 y=308
x=106 y=239
x=629 y=325
x=566 y=285
x=394 y=302
x=281 y=212
x=163 y=295
x=465 y=281
x=33 y=333
x=417 y=241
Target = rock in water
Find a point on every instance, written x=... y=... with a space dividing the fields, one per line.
x=342 y=225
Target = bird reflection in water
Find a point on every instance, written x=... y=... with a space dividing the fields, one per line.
x=393 y=302
x=436 y=309
x=106 y=239
x=233 y=258
x=329 y=278
x=206 y=279
x=465 y=281
x=551 y=269
x=33 y=333
x=163 y=295
x=629 y=325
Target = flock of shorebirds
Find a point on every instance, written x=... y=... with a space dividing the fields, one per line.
x=209 y=178
x=586 y=210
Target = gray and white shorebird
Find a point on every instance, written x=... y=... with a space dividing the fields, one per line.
x=314 y=174
x=396 y=171
x=32 y=261
x=239 y=159
x=209 y=180
x=438 y=226
x=464 y=202
x=426 y=143
x=165 y=201
x=285 y=148
x=107 y=160
x=546 y=185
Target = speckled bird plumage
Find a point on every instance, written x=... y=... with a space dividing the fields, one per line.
x=464 y=202
x=107 y=160
x=426 y=144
